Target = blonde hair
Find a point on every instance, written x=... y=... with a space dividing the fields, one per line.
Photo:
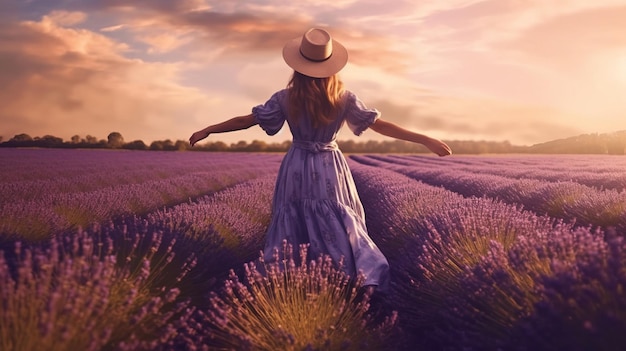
x=319 y=98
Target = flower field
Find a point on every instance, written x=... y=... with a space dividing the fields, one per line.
x=134 y=250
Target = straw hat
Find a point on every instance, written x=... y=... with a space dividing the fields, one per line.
x=316 y=54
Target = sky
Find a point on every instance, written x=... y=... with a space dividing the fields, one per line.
x=523 y=71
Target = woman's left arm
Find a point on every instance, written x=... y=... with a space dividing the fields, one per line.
x=395 y=131
x=233 y=124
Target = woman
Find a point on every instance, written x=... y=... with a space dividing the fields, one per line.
x=315 y=199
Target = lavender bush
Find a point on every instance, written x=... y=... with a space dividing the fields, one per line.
x=285 y=306
x=73 y=293
x=584 y=303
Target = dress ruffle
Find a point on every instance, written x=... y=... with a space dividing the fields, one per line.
x=339 y=233
x=358 y=116
x=270 y=115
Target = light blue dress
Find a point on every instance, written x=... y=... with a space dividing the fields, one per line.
x=315 y=199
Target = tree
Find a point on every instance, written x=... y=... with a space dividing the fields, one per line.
x=216 y=146
x=156 y=145
x=21 y=137
x=239 y=146
x=347 y=145
x=90 y=139
x=256 y=146
x=115 y=140
x=166 y=145
x=48 y=141
x=181 y=145
x=135 y=145
x=75 y=139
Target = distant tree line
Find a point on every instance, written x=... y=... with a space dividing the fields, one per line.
x=613 y=143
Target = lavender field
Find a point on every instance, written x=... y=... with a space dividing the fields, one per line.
x=146 y=250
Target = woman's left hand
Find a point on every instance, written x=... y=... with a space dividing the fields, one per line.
x=438 y=147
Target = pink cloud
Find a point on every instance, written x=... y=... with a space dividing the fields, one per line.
x=64 y=81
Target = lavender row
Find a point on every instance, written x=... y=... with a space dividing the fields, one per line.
x=566 y=200
x=475 y=273
x=34 y=174
x=133 y=283
x=222 y=230
x=92 y=290
x=54 y=164
x=240 y=214
x=601 y=172
x=59 y=200
x=557 y=163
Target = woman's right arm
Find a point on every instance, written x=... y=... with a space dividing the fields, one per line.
x=236 y=123
x=392 y=130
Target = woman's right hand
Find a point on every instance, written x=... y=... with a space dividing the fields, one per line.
x=197 y=136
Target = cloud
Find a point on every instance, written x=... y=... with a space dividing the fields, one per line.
x=113 y=28
x=66 y=19
x=64 y=81
x=164 y=41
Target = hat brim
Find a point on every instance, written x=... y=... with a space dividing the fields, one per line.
x=315 y=69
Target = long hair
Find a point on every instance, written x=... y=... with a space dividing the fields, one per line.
x=318 y=98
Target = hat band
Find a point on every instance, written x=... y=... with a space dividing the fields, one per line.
x=315 y=60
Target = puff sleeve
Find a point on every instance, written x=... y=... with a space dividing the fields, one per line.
x=358 y=116
x=270 y=115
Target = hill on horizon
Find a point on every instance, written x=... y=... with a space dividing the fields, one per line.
x=595 y=143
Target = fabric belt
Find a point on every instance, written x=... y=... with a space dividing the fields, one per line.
x=315 y=146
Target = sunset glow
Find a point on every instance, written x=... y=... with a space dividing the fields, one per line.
x=526 y=72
